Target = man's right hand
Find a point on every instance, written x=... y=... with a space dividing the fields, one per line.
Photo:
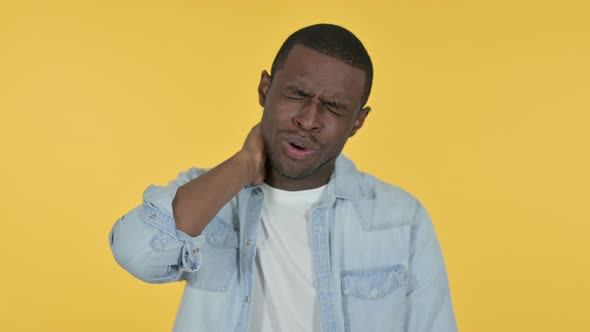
x=199 y=200
x=255 y=155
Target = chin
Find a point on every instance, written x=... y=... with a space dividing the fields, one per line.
x=293 y=173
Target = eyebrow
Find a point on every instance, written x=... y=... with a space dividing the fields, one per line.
x=297 y=90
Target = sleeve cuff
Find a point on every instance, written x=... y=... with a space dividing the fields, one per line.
x=190 y=253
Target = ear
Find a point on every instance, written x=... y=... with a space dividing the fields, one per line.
x=263 y=87
x=360 y=120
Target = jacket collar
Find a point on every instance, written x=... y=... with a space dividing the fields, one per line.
x=346 y=180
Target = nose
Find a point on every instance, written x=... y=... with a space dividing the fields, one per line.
x=308 y=117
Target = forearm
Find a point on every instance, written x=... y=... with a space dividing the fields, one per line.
x=197 y=202
x=147 y=252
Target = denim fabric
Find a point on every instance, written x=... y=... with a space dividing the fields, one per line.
x=377 y=263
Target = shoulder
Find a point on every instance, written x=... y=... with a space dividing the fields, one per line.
x=377 y=187
x=187 y=175
x=389 y=202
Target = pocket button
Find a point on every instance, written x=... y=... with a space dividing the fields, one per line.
x=373 y=293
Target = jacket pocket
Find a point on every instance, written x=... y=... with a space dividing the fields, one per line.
x=374 y=298
x=219 y=258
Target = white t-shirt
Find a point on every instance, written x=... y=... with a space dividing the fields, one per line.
x=283 y=296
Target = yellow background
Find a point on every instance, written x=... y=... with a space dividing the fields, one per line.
x=480 y=108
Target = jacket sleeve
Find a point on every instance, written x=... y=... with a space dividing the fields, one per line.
x=145 y=241
x=429 y=301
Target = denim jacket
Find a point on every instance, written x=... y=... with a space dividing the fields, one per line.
x=376 y=260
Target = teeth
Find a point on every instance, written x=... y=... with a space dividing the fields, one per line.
x=300 y=147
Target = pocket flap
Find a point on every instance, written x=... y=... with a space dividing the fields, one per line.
x=219 y=234
x=373 y=283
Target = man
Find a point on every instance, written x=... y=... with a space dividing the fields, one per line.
x=286 y=235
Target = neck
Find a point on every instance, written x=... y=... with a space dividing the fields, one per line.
x=319 y=178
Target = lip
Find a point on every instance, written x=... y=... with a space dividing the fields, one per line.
x=300 y=141
x=298 y=154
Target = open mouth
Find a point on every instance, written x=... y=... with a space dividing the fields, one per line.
x=298 y=147
x=296 y=151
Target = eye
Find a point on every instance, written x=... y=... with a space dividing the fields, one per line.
x=293 y=93
x=332 y=110
x=294 y=97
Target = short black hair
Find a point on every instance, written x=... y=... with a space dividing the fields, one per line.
x=334 y=41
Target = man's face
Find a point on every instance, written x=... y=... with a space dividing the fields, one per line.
x=311 y=108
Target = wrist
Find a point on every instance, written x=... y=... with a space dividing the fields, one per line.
x=247 y=165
